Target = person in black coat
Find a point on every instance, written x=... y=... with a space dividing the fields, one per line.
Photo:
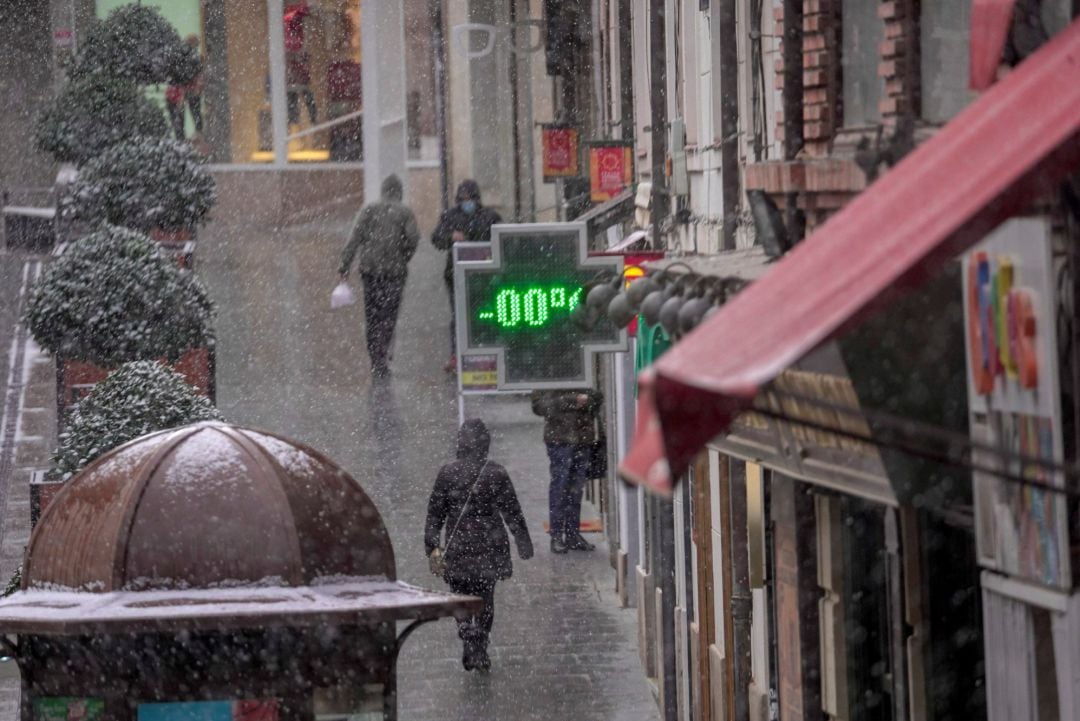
x=473 y=498
x=467 y=221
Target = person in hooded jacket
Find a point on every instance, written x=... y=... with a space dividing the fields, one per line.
x=384 y=236
x=467 y=221
x=474 y=501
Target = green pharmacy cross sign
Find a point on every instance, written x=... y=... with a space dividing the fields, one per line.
x=514 y=298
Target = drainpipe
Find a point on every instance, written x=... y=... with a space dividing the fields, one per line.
x=658 y=115
x=438 y=51
x=725 y=25
x=741 y=600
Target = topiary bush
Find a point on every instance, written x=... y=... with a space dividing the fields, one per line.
x=143 y=183
x=113 y=297
x=134 y=42
x=136 y=399
x=93 y=113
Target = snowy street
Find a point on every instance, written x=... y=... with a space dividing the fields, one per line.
x=561 y=647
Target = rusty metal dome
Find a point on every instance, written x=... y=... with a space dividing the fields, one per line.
x=208 y=505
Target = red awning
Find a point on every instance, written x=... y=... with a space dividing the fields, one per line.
x=990 y=23
x=1009 y=147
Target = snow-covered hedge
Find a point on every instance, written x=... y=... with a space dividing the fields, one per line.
x=136 y=399
x=143 y=183
x=134 y=42
x=93 y=113
x=113 y=297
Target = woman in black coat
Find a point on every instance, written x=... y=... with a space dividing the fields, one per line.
x=473 y=498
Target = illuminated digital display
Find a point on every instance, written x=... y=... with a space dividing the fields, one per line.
x=530 y=306
x=518 y=305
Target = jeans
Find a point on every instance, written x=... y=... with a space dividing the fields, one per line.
x=569 y=468
x=475 y=629
x=382 y=299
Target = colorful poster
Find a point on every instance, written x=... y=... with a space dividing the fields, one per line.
x=560 y=152
x=1014 y=397
x=611 y=169
x=68 y=709
x=479 y=372
x=257 y=710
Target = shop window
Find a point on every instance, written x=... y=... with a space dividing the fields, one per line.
x=230 y=110
x=323 y=89
x=861 y=34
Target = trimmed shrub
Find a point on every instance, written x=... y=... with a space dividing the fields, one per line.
x=134 y=42
x=136 y=399
x=143 y=183
x=113 y=297
x=92 y=114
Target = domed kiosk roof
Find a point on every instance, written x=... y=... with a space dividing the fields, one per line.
x=207 y=505
x=211 y=522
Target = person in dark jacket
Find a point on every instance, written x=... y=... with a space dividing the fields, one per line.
x=570 y=419
x=385 y=236
x=472 y=500
x=467 y=221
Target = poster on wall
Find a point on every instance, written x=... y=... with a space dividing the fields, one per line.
x=560 y=151
x=1014 y=397
x=611 y=169
x=254 y=710
x=68 y=709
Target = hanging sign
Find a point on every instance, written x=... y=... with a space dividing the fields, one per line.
x=560 y=144
x=1014 y=397
x=611 y=169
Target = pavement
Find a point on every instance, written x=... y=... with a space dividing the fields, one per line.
x=561 y=646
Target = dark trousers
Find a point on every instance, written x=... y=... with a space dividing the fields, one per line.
x=382 y=300
x=176 y=114
x=475 y=629
x=569 y=468
x=292 y=104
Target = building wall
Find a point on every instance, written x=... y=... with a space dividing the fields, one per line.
x=25 y=84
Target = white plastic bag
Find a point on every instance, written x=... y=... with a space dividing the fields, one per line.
x=341 y=296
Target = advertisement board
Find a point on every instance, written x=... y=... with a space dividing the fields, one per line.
x=63 y=708
x=560 y=151
x=252 y=710
x=1014 y=398
x=611 y=169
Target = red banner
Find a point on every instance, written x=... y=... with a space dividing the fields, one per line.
x=611 y=169
x=560 y=152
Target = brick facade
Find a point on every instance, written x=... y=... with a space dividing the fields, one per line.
x=821 y=176
x=899 y=66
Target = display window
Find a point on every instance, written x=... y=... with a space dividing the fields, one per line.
x=229 y=109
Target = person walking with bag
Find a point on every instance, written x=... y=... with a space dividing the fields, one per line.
x=570 y=434
x=384 y=236
x=475 y=502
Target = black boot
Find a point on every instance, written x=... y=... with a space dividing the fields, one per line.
x=557 y=545
x=481 y=661
x=577 y=542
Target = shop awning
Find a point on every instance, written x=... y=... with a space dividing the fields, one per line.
x=1006 y=149
x=990 y=23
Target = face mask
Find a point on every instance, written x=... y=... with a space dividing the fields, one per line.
x=469 y=206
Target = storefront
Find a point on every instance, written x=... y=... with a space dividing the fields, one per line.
x=1012 y=299
x=283 y=81
x=859 y=517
